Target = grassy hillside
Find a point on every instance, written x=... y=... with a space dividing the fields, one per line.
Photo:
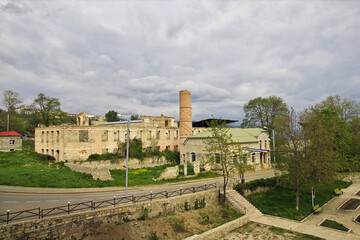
x=28 y=169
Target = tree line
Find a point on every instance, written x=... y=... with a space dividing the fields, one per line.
x=44 y=111
x=312 y=145
x=23 y=119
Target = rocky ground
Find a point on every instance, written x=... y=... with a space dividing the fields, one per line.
x=177 y=225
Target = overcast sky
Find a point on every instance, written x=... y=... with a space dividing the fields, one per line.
x=135 y=56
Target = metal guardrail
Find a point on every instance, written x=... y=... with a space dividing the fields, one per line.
x=92 y=205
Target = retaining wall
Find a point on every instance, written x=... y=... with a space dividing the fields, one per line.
x=59 y=227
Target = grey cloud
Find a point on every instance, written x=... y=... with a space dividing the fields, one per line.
x=135 y=56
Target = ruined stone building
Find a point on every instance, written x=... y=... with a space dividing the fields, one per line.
x=74 y=143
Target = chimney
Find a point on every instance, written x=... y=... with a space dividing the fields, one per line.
x=185 y=115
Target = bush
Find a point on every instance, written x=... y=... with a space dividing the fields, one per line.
x=107 y=156
x=240 y=188
x=153 y=235
x=173 y=157
x=255 y=184
x=144 y=213
x=178 y=224
x=186 y=206
x=135 y=147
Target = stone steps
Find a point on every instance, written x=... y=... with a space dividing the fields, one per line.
x=237 y=201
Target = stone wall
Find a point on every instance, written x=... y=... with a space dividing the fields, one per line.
x=58 y=227
x=5 y=143
x=100 y=169
x=221 y=231
x=169 y=173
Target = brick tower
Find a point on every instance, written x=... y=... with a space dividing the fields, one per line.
x=185 y=115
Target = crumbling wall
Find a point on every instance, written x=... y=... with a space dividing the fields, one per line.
x=101 y=169
x=169 y=173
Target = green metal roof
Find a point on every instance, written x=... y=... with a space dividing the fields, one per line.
x=240 y=135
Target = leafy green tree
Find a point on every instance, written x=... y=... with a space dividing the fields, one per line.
x=111 y=116
x=134 y=117
x=343 y=108
x=323 y=148
x=343 y=122
x=11 y=100
x=49 y=109
x=222 y=149
x=16 y=123
x=293 y=162
x=261 y=112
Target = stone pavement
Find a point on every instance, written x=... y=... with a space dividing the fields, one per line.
x=330 y=211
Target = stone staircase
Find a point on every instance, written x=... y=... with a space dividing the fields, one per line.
x=240 y=203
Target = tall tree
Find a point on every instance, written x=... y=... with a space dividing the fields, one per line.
x=112 y=116
x=261 y=112
x=294 y=162
x=322 y=148
x=11 y=100
x=343 y=108
x=49 y=109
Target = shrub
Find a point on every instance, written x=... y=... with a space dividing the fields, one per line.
x=126 y=219
x=186 y=206
x=135 y=147
x=107 y=156
x=196 y=204
x=227 y=211
x=240 y=188
x=202 y=203
x=255 y=184
x=205 y=218
x=178 y=224
x=173 y=157
x=153 y=235
x=144 y=213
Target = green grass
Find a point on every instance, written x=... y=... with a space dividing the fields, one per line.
x=281 y=200
x=335 y=225
x=26 y=168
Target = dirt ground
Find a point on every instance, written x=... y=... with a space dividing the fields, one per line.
x=162 y=227
x=255 y=231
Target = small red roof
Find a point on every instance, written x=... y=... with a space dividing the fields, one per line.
x=10 y=133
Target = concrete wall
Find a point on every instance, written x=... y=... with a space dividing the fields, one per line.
x=5 y=146
x=58 y=227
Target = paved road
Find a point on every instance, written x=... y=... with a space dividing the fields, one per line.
x=20 y=200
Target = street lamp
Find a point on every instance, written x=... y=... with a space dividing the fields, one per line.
x=127 y=152
x=273 y=136
x=127 y=146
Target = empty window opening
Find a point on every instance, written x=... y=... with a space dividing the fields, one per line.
x=193 y=157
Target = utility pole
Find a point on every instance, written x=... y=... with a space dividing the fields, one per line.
x=273 y=133
x=8 y=123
